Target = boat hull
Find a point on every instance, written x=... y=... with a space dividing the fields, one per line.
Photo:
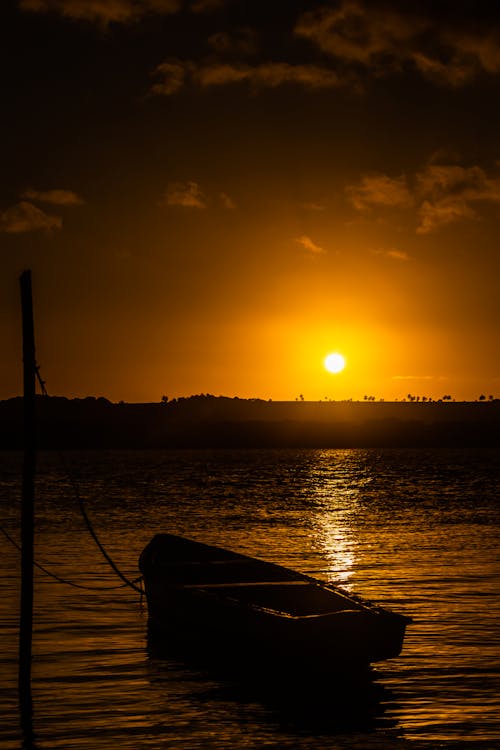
x=233 y=608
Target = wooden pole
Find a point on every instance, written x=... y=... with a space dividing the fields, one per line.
x=28 y=504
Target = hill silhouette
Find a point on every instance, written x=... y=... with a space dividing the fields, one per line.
x=206 y=421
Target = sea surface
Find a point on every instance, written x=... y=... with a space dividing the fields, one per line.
x=414 y=530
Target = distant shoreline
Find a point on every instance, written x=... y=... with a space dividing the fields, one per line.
x=221 y=422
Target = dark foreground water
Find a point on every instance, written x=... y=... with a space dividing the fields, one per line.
x=414 y=530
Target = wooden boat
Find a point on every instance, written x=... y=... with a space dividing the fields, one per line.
x=237 y=608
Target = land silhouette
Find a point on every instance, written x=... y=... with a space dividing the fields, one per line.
x=206 y=421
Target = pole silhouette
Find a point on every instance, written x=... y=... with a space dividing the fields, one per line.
x=27 y=511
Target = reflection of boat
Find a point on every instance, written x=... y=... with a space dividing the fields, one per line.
x=239 y=609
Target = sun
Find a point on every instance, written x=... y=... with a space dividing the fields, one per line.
x=334 y=362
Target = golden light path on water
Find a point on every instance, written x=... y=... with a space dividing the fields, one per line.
x=335 y=499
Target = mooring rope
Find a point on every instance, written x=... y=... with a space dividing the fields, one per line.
x=126 y=581
x=66 y=580
x=91 y=531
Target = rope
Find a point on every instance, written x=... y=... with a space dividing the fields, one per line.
x=65 y=580
x=107 y=557
x=91 y=531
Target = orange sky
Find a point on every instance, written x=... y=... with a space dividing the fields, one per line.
x=212 y=198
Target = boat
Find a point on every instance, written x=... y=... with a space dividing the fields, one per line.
x=248 y=612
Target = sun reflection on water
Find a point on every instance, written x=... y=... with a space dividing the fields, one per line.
x=338 y=476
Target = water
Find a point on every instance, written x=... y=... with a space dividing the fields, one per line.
x=414 y=530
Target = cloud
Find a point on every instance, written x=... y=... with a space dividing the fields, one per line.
x=454 y=73
x=359 y=33
x=54 y=197
x=449 y=193
x=379 y=37
x=445 y=211
x=386 y=38
x=227 y=201
x=469 y=53
x=267 y=75
x=441 y=180
x=25 y=217
x=309 y=245
x=102 y=12
x=172 y=75
x=175 y=74
x=393 y=253
x=105 y=12
x=380 y=190
x=186 y=194
x=314 y=206
x=442 y=194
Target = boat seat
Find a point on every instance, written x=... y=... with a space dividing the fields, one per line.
x=229 y=561
x=244 y=583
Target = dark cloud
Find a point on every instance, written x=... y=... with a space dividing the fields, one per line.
x=186 y=194
x=385 y=38
x=102 y=12
x=55 y=197
x=392 y=253
x=442 y=194
x=227 y=201
x=174 y=74
x=353 y=38
x=379 y=190
x=25 y=217
x=451 y=192
x=308 y=244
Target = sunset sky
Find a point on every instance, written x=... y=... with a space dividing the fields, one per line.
x=213 y=195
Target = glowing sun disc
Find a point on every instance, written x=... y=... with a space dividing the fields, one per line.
x=334 y=362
